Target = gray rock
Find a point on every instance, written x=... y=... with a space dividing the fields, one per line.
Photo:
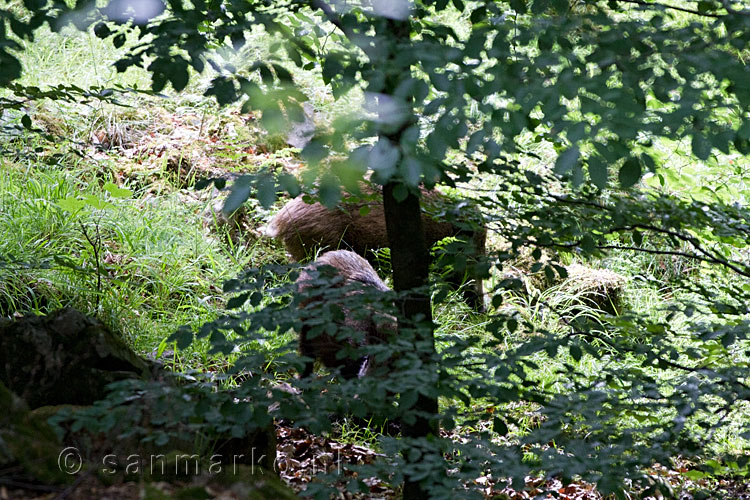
x=64 y=358
x=302 y=132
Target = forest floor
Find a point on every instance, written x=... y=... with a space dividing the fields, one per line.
x=167 y=248
x=166 y=157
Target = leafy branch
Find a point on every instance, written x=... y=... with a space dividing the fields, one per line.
x=687 y=10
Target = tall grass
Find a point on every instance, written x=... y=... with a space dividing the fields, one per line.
x=158 y=266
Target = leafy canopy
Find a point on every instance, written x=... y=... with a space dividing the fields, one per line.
x=461 y=90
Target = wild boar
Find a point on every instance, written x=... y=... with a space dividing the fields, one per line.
x=375 y=327
x=306 y=228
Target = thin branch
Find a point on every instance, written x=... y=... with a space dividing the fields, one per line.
x=28 y=486
x=673 y=7
x=658 y=252
x=711 y=259
x=708 y=256
x=660 y=359
x=694 y=242
x=572 y=201
x=332 y=16
x=95 y=244
x=656 y=356
x=70 y=489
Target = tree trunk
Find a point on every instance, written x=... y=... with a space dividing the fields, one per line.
x=410 y=260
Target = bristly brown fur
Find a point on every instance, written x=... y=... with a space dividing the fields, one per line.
x=376 y=327
x=305 y=228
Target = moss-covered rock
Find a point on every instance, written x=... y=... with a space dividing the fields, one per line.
x=600 y=288
x=255 y=487
x=63 y=358
x=253 y=483
x=59 y=365
x=223 y=481
x=29 y=443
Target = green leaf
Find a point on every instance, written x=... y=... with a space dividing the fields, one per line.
x=497 y=300
x=101 y=30
x=630 y=173
x=549 y=273
x=512 y=325
x=314 y=151
x=408 y=399
x=26 y=122
x=256 y=298
x=567 y=160
x=433 y=106
x=499 y=426
x=238 y=301
x=294 y=55
x=598 y=172
x=331 y=68
x=576 y=176
x=239 y=192
x=551 y=349
x=289 y=183
x=237 y=39
x=329 y=193
x=478 y=15
x=519 y=6
x=694 y=475
x=266 y=191
x=588 y=244
x=223 y=89
x=744 y=131
x=34 y=4
x=383 y=158
x=117 y=192
x=575 y=352
x=475 y=141
x=701 y=146
x=204 y=183
x=705 y=7
x=282 y=73
x=119 y=40
x=400 y=192
x=178 y=74
x=183 y=337
x=648 y=161
x=96 y=202
x=411 y=171
x=71 y=204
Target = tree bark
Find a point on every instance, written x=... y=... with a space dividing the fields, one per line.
x=410 y=260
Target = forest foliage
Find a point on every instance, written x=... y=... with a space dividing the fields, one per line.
x=454 y=94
